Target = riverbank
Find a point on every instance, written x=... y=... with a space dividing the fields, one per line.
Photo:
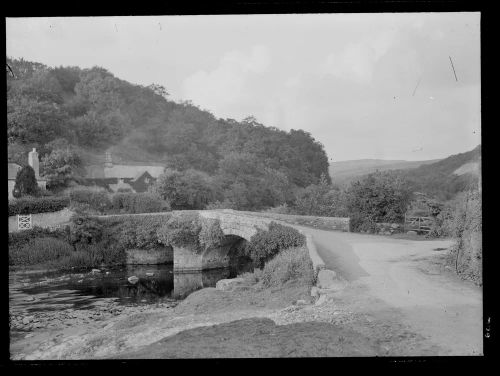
x=107 y=330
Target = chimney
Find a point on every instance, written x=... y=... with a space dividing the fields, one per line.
x=33 y=162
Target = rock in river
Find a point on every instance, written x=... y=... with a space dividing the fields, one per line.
x=133 y=279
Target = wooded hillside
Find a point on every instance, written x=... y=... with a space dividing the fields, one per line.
x=94 y=111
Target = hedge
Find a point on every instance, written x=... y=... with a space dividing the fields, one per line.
x=135 y=203
x=35 y=205
x=97 y=200
x=133 y=232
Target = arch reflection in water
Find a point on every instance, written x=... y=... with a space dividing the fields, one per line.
x=186 y=283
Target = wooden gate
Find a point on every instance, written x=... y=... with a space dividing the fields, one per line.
x=24 y=222
x=418 y=224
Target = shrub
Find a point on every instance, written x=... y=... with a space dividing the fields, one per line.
x=281 y=209
x=211 y=234
x=359 y=223
x=39 y=250
x=77 y=259
x=95 y=199
x=35 y=205
x=97 y=254
x=85 y=230
x=265 y=244
x=138 y=203
x=377 y=197
x=20 y=238
x=467 y=230
x=134 y=232
x=189 y=189
x=220 y=205
x=292 y=264
x=26 y=183
x=182 y=229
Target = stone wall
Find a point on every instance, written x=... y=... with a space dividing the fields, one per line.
x=389 y=228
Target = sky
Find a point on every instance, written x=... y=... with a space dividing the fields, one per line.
x=377 y=85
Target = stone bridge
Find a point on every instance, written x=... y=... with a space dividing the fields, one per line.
x=237 y=228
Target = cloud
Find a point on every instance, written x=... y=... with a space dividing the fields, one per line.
x=356 y=61
x=227 y=84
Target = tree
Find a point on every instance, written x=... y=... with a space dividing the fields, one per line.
x=188 y=189
x=60 y=164
x=26 y=183
x=320 y=199
x=378 y=197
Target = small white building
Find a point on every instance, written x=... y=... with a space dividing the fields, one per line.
x=13 y=169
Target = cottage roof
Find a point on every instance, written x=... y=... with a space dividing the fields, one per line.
x=128 y=171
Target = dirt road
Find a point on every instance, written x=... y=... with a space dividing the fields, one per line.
x=404 y=283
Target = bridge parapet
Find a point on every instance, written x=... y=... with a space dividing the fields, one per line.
x=235 y=223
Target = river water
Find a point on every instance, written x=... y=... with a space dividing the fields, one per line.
x=50 y=291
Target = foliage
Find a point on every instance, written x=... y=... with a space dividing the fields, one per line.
x=267 y=243
x=281 y=209
x=138 y=203
x=95 y=199
x=133 y=232
x=211 y=234
x=182 y=230
x=438 y=179
x=189 y=189
x=220 y=205
x=292 y=264
x=60 y=165
x=320 y=200
x=93 y=110
x=26 y=184
x=19 y=238
x=38 y=250
x=85 y=230
x=247 y=183
x=379 y=197
x=35 y=205
x=467 y=230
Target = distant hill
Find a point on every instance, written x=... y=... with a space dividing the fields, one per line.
x=344 y=172
x=441 y=178
x=445 y=178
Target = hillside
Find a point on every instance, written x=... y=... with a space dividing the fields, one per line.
x=93 y=111
x=445 y=178
x=344 y=172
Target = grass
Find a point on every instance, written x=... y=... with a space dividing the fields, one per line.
x=39 y=251
x=290 y=265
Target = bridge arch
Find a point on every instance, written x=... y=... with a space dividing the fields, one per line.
x=237 y=228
